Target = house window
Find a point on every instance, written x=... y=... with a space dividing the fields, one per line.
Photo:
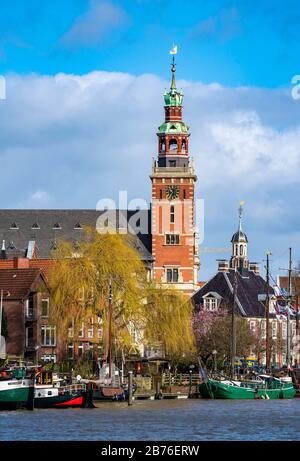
x=172 y=163
x=252 y=326
x=80 y=349
x=90 y=331
x=172 y=275
x=172 y=214
x=184 y=193
x=29 y=337
x=45 y=307
x=160 y=194
x=48 y=336
x=90 y=351
x=71 y=351
x=274 y=330
x=81 y=331
x=210 y=304
x=30 y=307
x=172 y=239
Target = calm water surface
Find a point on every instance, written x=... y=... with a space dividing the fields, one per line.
x=159 y=420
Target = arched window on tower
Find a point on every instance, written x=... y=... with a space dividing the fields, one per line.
x=183 y=145
x=173 y=145
x=163 y=146
x=241 y=250
x=236 y=250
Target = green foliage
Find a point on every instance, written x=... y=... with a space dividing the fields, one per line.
x=169 y=321
x=213 y=332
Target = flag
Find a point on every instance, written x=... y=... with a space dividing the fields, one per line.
x=174 y=50
x=242 y=202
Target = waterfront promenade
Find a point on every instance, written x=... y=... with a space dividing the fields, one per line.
x=196 y=420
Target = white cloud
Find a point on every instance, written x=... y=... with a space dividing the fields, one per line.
x=92 y=27
x=69 y=140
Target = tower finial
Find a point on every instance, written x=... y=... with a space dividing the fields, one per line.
x=173 y=68
x=242 y=203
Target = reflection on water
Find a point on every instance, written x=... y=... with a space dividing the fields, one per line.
x=159 y=420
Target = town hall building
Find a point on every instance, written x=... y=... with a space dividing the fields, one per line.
x=165 y=235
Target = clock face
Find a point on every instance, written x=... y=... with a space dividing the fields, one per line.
x=172 y=192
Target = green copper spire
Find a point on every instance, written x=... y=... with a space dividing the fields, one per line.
x=173 y=97
x=173 y=84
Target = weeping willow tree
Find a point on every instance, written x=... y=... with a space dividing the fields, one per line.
x=80 y=283
x=81 y=280
x=168 y=315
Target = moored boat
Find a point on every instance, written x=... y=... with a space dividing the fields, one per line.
x=16 y=390
x=263 y=387
x=49 y=392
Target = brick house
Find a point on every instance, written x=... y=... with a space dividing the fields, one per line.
x=26 y=307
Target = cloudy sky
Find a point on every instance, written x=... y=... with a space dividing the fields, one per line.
x=84 y=85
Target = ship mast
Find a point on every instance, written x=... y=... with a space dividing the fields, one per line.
x=268 y=316
x=233 y=327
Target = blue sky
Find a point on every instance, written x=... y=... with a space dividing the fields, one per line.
x=232 y=42
x=85 y=80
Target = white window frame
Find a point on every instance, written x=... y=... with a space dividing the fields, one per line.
x=80 y=349
x=48 y=301
x=211 y=304
x=172 y=269
x=48 y=329
x=70 y=348
x=90 y=331
x=81 y=331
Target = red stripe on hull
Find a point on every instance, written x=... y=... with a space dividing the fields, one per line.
x=78 y=401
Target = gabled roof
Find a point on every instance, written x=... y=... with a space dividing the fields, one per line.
x=17 y=283
x=249 y=286
x=48 y=233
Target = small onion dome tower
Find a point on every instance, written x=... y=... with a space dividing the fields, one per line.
x=239 y=258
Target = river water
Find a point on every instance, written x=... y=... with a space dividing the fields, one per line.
x=179 y=420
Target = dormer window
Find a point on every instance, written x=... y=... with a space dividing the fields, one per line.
x=78 y=226
x=35 y=226
x=57 y=226
x=14 y=226
x=211 y=301
x=11 y=246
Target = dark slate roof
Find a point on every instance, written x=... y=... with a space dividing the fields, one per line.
x=239 y=236
x=249 y=286
x=19 y=227
x=17 y=283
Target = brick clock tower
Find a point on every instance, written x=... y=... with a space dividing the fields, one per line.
x=174 y=236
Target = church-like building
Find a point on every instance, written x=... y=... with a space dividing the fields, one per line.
x=165 y=235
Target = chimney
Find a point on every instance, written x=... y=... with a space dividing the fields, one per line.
x=3 y=252
x=223 y=265
x=21 y=263
x=254 y=267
